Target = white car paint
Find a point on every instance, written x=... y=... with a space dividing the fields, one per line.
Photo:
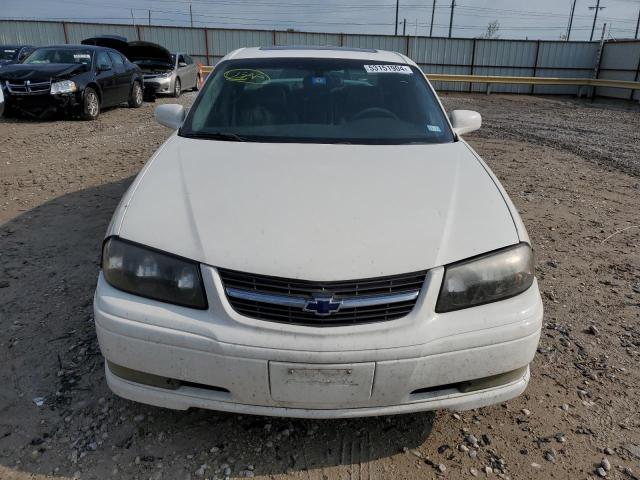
x=317 y=212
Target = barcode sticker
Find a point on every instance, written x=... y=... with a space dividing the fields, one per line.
x=404 y=69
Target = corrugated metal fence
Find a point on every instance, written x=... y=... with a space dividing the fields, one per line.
x=619 y=60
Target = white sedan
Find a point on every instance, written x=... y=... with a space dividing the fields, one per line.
x=317 y=240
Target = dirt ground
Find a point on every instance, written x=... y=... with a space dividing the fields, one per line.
x=569 y=167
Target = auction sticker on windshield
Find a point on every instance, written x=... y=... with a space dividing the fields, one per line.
x=246 y=75
x=388 y=69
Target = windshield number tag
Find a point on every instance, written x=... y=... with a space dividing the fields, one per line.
x=81 y=55
x=404 y=69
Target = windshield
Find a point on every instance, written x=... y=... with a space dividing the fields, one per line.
x=319 y=101
x=7 y=53
x=60 y=55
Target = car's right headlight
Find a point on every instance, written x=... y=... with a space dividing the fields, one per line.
x=150 y=273
x=487 y=278
x=64 y=86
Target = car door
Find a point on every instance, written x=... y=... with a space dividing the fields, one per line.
x=121 y=77
x=105 y=78
x=183 y=73
x=193 y=70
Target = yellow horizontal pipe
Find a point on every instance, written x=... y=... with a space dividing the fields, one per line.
x=590 y=82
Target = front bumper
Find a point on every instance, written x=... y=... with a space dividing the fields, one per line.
x=40 y=105
x=159 y=85
x=223 y=361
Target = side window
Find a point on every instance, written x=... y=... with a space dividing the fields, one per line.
x=103 y=59
x=181 y=59
x=116 y=58
x=188 y=59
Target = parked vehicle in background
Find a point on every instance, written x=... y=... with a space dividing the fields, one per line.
x=71 y=79
x=10 y=54
x=317 y=240
x=163 y=74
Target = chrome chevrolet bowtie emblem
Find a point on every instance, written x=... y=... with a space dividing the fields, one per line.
x=322 y=306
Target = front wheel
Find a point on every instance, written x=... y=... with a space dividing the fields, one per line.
x=177 y=88
x=90 y=105
x=135 y=99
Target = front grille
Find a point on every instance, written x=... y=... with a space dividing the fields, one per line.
x=29 y=88
x=348 y=289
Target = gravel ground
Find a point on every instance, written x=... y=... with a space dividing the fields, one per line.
x=569 y=167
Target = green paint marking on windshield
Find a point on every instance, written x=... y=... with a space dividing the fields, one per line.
x=245 y=75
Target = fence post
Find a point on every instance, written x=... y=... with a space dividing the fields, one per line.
x=535 y=67
x=138 y=32
x=636 y=77
x=406 y=46
x=206 y=45
x=473 y=61
x=66 y=34
x=274 y=38
x=342 y=39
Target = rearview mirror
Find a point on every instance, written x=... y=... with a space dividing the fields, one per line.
x=170 y=115
x=465 y=121
x=182 y=64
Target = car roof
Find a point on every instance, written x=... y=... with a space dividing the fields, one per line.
x=368 y=54
x=16 y=46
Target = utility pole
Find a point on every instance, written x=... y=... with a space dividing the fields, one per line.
x=133 y=19
x=149 y=17
x=573 y=9
x=597 y=8
x=433 y=14
x=397 y=9
x=453 y=5
x=404 y=28
x=637 y=25
x=191 y=15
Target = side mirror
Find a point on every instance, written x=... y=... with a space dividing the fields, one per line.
x=182 y=64
x=465 y=121
x=104 y=67
x=170 y=115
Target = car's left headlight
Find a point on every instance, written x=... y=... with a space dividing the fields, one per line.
x=150 y=273
x=65 y=86
x=487 y=278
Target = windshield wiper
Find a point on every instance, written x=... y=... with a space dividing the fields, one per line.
x=228 y=137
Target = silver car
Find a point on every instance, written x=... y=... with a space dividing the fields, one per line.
x=172 y=77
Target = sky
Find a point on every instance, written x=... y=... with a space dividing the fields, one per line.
x=532 y=19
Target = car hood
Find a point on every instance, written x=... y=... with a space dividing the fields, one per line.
x=40 y=72
x=148 y=51
x=316 y=212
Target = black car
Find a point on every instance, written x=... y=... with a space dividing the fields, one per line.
x=71 y=79
x=14 y=53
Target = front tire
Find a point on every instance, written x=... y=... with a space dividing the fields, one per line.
x=177 y=88
x=90 y=104
x=135 y=99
